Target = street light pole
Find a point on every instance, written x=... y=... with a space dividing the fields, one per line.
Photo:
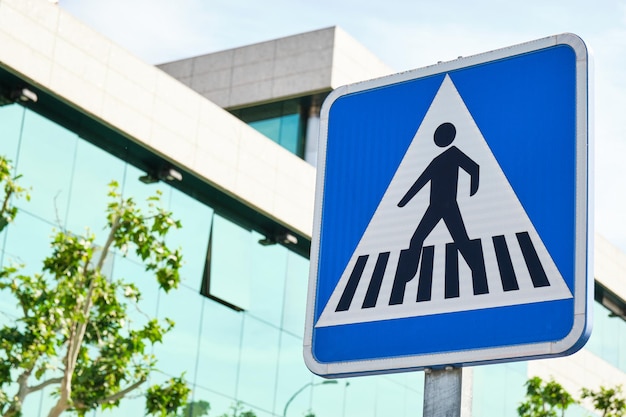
x=309 y=384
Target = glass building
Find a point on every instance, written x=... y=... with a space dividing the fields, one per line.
x=233 y=127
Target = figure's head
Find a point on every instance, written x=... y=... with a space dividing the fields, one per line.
x=444 y=134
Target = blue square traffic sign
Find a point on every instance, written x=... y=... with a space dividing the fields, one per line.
x=451 y=220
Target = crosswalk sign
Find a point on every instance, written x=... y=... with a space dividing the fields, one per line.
x=451 y=221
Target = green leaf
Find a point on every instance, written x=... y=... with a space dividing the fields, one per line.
x=543 y=399
x=168 y=398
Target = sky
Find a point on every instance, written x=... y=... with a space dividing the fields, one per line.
x=405 y=34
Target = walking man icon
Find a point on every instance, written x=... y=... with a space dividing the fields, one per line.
x=443 y=175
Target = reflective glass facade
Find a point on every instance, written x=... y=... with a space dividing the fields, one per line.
x=286 y=122
x=283 y=122
x=253 y=356
x=608 y=339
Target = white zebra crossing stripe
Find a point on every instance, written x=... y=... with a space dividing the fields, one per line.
x=494 y=210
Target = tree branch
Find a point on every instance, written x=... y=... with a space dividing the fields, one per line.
x=5 y=204
x=114 y=397
x=45 y=384
x=109 y=242
x=121 y=394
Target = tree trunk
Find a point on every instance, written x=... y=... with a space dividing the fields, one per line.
x=58 y=408
x=65 y=394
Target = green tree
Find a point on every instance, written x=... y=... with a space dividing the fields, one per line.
x=544 y=399
x=199 y=408
x=73 y=332
x=609 y=401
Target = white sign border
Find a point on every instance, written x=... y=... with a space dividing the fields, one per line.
x=583 y=234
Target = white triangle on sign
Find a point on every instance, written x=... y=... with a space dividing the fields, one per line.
x=494 y=210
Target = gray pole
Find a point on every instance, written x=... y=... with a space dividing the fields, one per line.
x=448 y=393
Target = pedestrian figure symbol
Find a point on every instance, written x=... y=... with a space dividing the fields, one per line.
x=448 y=235
x=442 y=173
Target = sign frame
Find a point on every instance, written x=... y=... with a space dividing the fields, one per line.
x=583 y=233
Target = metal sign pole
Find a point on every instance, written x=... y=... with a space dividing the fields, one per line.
x=448 y=393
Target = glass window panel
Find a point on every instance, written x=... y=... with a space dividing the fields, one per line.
x=218 y=357
x=407 y=389
x=28 y=242
x=94 y=170
x=414 y=399
x=595 y=342
x=46 y=160
x=178 y=352
x=219 y=404
x=258 y=365
x=290 y=133
x=296 y=286
x=391 y=398
x=281 y=122
x=357 y=399
x=230 y=269
x=608 y=338
x=488 y=397
x=622 y=349
x=292 y=375
x=140 y=192
x=268 y=127
x=132 y=187
x=326 y=397
x=411 y=380
x=145 y=282
x=613 y=326
x=192 y=238
x=514 y=379
x=499 y=389
x=267 y=282
x=268 y=111
x=284 y=130
x=10 y=130
x=11 y=117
